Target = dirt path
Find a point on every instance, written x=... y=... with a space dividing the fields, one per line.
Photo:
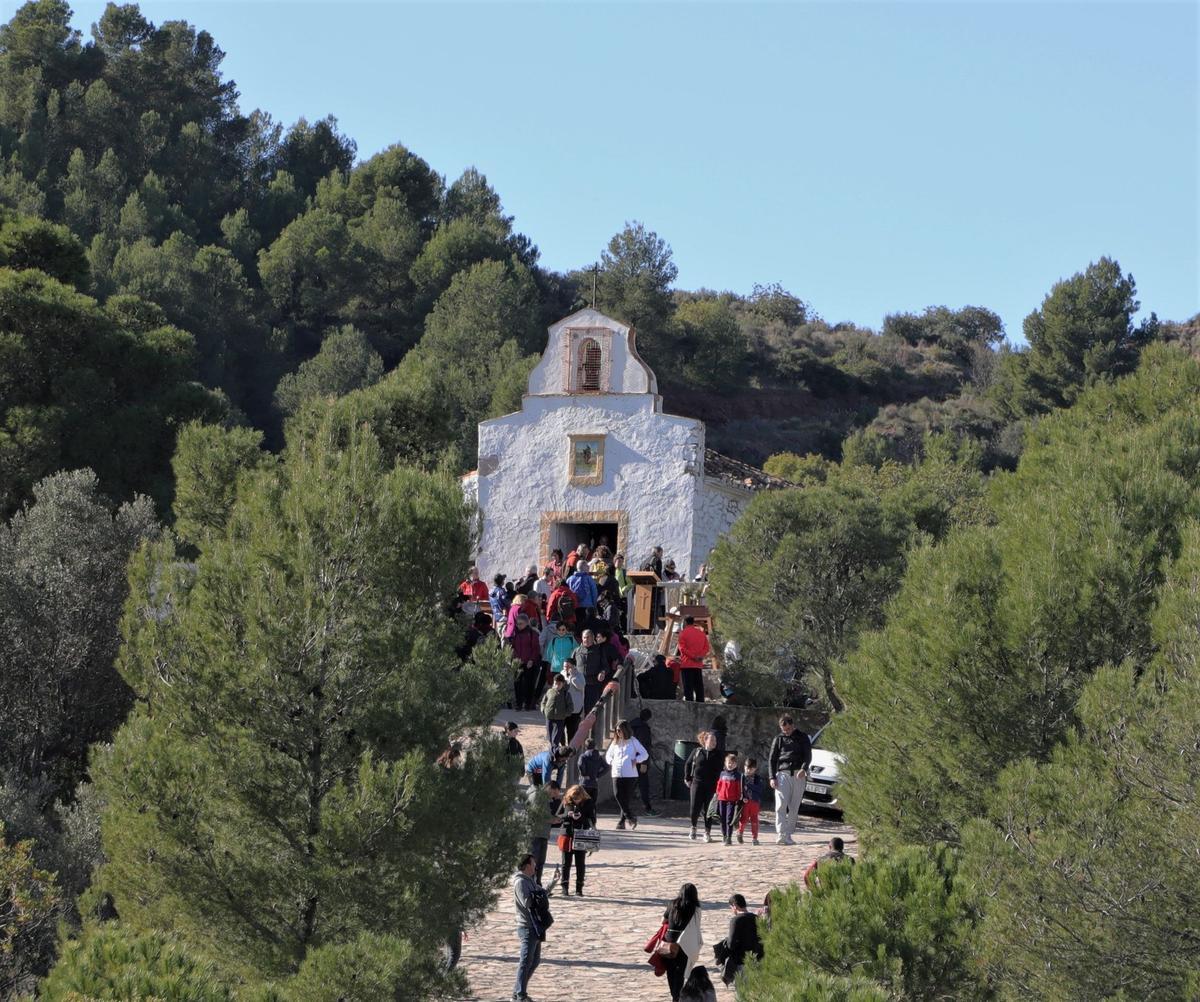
x=594 y=948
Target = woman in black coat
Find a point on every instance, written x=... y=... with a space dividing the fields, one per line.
x=677 y=916
x=701 y=773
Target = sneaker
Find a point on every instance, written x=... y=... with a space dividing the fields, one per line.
x=565 y=891
x=756 y=841
x=633 y=823
x=621 y=825
x=708 y=837
x=740 y=839
x=693 y=834
x=651 y=812
x=728 y=840
x=579 y=892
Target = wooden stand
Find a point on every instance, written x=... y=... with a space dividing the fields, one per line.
x=674 y=623
x=643 y=600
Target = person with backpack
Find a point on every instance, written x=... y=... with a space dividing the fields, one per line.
x=562 y=607
x=556 y=707
x=584 y=587
x=531 y=903
x=591 y=767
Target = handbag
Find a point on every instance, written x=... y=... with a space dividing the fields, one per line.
x=669 y=951
x=585 y=840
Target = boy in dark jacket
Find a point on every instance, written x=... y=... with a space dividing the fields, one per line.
x=752 y=794
x=591 y=767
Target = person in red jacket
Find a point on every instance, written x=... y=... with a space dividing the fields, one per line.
x=729 y=796
x=472 y=588
x=693 y=649
x=561 y=607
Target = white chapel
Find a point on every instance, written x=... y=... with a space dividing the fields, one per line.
x=592 y=458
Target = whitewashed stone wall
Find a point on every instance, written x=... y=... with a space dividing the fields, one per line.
x=649 y=485
x=718 y=506
x=653 y=485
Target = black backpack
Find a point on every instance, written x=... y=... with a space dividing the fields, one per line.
x=539 y=911
x=566 y=607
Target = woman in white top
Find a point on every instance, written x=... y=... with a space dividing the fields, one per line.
x=625 y=753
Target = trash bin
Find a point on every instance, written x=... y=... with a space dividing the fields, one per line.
x=683 y=751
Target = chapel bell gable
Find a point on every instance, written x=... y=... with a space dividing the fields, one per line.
x=590 y=354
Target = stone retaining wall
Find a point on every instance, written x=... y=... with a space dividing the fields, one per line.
x=750 y=729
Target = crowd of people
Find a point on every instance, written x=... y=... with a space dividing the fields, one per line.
x=724 y=788
x=566 y=630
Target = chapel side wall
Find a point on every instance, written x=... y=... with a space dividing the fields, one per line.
x=523 y=473
x=717 y=508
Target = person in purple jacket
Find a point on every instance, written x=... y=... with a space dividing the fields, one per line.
x=526 y=648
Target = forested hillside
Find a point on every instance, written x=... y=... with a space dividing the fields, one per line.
x=240 y=369
x=169 y=255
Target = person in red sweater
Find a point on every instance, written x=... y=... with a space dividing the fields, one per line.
x=472 y=588
x=693 y=649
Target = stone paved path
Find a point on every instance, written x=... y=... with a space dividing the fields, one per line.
x=594 y=948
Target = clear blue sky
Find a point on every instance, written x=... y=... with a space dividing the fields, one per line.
x=870 y=157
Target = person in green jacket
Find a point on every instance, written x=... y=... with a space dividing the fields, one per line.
x=624 y=588
x=557 y=705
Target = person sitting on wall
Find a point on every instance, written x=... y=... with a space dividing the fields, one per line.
x=657 y=682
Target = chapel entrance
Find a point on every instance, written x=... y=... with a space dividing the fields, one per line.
x=566 y=536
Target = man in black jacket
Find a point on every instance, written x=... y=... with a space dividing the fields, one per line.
x=741 y=940
x=791 y=755
x=641 y=730
x=598 y=663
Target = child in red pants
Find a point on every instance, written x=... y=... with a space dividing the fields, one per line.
x=752 y=794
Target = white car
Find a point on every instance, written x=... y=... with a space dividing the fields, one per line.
x=821 y=790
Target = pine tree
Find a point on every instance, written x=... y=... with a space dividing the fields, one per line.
x=274 y=794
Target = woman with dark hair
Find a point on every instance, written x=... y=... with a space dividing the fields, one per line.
x=699 y=986
x=683 y=929
x=625 y=753
x=701 y=773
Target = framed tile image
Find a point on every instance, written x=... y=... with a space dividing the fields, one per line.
x=585 y=464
